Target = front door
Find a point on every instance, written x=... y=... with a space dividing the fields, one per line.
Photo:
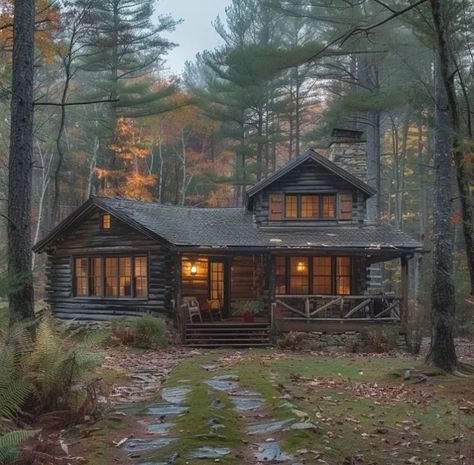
x=218 y=278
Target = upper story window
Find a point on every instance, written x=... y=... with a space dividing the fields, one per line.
x=307 y=206
x=105 y=221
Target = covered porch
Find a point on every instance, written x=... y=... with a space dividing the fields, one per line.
x=310 y=290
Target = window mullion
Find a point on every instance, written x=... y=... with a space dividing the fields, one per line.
x=132 y=276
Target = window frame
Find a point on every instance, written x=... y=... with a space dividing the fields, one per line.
x=117 y=276
x=320 y=203
x=101 y=222
x=310 y=277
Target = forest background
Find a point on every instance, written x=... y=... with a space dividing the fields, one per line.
x=110 y=121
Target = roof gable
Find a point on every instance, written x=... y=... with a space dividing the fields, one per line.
x=321 y=161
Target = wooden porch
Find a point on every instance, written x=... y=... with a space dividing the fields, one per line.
x=233 y=279
x=335 y=312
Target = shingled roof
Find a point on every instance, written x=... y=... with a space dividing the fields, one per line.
x=233 y=228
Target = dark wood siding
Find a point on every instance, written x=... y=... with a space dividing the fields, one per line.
x=87 y=239
x=309 y=178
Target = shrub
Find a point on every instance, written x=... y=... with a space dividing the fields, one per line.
x=145 y=332
x=378 y=340
x=292 y=341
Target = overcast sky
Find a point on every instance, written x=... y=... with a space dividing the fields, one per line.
x=195 y=33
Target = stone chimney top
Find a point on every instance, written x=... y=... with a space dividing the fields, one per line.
x=346 y=135
x=348 y=150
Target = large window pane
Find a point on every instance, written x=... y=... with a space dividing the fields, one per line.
x=125 y=276
x=322 y=275
x=291 y=206
x=111 y=282
x=80 y=273
x=299 y=274
x=329 y=206
x=96 y=278
x=141 y=277
x=309 y=206
x=343 y=275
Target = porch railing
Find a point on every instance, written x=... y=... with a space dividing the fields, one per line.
x=337 y=307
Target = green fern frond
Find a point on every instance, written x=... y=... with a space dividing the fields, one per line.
x=9 y=443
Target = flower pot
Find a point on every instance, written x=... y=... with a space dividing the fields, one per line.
x=249 y=317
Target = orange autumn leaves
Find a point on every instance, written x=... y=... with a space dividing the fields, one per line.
x=47 y=21
x=132 y=177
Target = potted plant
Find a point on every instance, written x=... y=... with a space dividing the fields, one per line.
x=248 y=309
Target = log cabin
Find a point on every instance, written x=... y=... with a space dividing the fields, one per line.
x=298 y=256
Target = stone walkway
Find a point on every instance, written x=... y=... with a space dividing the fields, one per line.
x=264 y=433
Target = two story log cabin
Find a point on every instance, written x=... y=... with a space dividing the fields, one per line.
x=301 y=248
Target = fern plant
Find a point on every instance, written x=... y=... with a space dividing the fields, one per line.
x=13 y=393
x=58 y=368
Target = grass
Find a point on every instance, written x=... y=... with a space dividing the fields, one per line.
x=361 y=403
x=193 y=427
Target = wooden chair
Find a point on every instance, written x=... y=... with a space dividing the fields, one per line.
x=193 y=309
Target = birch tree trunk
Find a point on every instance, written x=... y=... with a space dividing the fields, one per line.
x=21 y=300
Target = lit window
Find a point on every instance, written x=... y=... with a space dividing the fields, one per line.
x=141 y=277
x=309 y=206
x=291 y=206
x=328 y=206
x=81 y=272
x=322 y=275
x=343 y=275
x=106 y=221
x=125 y=276
x=111 y=268
x=299 y=273
x=96 y=277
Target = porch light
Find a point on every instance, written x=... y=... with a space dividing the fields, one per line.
x=193 y=269
x=301 y=267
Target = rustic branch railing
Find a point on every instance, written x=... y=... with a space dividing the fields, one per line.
x=338 y=307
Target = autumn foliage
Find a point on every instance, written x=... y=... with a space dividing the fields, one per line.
x=130 y=175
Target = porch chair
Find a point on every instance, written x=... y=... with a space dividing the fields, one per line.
x=193 y=309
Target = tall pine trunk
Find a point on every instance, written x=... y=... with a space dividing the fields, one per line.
x=442 y=352
x=21 y=300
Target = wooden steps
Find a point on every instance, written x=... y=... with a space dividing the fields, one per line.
x=232 y=334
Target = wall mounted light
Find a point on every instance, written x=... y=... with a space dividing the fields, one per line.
x=193 y=269
x=300 y=267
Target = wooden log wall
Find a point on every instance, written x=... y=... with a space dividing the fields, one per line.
x=306 y=179
x=195 y=285
x=88 y=240
x=247 y=277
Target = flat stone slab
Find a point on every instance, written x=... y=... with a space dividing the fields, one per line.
x=269 y=427
x=227 y=377
x=210 y=452
x=217 y=404
x=245 y=393
x=246 y=403
x=141 y=445
x=160 y=428
x=166 y=410
x=271 y=452
x=222 y=385
x=305 y=425
x=176 y=395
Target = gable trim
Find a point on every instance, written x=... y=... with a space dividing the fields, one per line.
x=319 y=159
x=75 y=218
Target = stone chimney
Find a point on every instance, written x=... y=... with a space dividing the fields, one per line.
x=348 y=150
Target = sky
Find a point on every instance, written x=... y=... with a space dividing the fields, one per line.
x=196 y=32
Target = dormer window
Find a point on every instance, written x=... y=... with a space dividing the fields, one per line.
x=105 y=222
x=307 y=206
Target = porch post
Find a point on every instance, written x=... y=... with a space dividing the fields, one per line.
x=271 y=284
x=180 y=317
x=404 y=290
